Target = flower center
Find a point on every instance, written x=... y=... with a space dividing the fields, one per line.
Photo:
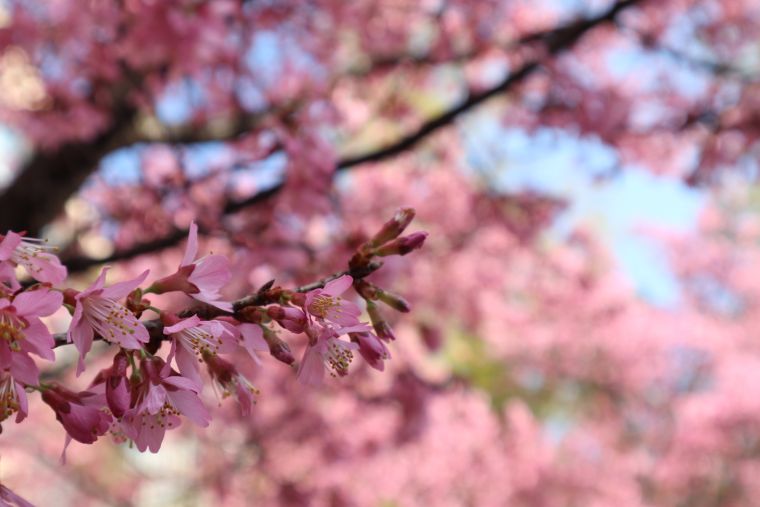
x=323 y=304
x=338 y=358
x=11 y=330
x=9 y=404
x=199 y=341
x=109 y=317
x=31 y=251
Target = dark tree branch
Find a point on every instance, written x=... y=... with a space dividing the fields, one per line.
x=41 y=189
x=555 y=41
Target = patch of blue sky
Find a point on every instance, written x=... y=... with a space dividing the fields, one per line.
x=175 y=106
x=258 y=176
x=265 y=56
x=200 y=158
x=11 y=150
x=649 y=69
x=121 y=167
x=583 y=171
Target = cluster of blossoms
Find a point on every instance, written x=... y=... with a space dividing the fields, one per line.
x=141 y=395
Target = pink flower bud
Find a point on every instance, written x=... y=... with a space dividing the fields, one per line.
x=393 y=227
x=278 y=348
x=231 y=382
x=396 y=302
x=79 y=413
x=117 y=385
x=371 y=349
x=381 y=326
x=292 y=319
x=403 y=245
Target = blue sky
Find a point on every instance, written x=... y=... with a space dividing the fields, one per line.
x=614 y=201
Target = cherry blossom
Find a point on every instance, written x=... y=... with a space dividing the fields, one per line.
x=202 y=278
x=34 y=255
x=192 y=338
x=97 y=312
x=23 y=333
x=159 y=399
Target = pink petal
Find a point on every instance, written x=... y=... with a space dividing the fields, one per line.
x=6 y=495
x=188 y=366
x=339 y=285
x=211 y=273
x=121 y=289
x=8 y=245
x=358 y=328
x=154 y=400
x=191 y=406
x=244 y=398
x=84 y=424
x=192 y=245
x=151 y=435
x=8 y=275
x=81 y=334
x=46 y=268
x=253 y=340
x=182 y=324
x=39 y=340
x=181 y=382
x=97 y=285
x=312 y=369
x=23 y=404
x=24 y=369
x=38 y=303
x=213 y=300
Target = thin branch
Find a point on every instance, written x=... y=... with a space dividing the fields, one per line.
x=556 y=41
x=261 y=298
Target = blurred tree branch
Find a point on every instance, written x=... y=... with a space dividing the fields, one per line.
x=555 y=42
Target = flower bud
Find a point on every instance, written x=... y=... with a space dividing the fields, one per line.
x=292 y=319
x=371 y=349
x=277 y=347
x=403 y=245
x=82 y=422
x=431 y=336
x=381 y=326
x=250 y=314
x=393 y=227
x=117 y=386
x=366 y=289
x=136 y=304
x=394 y=301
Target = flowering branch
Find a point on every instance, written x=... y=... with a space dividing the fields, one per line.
x=141 y=395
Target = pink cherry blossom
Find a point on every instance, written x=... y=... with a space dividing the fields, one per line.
x=202 y=278
x=82 y=415
x=324 y=304
x=372 y=349
x=250 y=337
x=159 y=400
x=326 y=349
x=117 y=389
x=292 y=319
x=22 y=332
x=192 y=337
x=35 y=255
x=98 y=313
x=231 y=382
